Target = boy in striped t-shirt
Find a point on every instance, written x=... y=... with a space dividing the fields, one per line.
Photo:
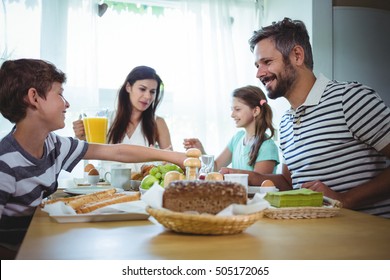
x=32 y=156
x=336 y=137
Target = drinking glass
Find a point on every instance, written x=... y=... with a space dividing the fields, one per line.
x=207 y=163
x=95 y=126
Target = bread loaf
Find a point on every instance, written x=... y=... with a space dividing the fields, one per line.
x=85 y=197
x=113 y=199
x=54 y=200
x=90 y=202
x=82 y=200
x=203 y=196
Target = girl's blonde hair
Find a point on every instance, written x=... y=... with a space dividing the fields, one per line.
x=253 y=96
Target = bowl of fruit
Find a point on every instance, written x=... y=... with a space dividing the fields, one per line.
x=157 y=174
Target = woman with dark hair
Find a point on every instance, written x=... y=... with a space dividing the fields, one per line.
x=135 y=121
x=252 y=148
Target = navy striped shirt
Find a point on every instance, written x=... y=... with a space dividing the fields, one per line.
x=25 y=180
x=335 y=137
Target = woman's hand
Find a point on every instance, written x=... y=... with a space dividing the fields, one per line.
x=169 y=148
x=78 y=128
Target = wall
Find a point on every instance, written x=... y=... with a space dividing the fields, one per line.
x=349 y=38
x=375 y=4
x=361 y=47
x=317 y=16
x=276 y=10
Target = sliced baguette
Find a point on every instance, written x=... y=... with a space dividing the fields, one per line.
x=85 y=199
x=114 y=199
x=71 y=198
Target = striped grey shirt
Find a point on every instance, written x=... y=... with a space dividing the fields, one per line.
x=25 y=180
x=335 y=137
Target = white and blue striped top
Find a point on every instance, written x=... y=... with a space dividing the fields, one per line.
x=335 y=137
x=25 y=180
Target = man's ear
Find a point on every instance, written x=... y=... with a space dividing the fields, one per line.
x=298 y=55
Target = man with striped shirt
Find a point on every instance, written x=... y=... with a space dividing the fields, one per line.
x=336 y=136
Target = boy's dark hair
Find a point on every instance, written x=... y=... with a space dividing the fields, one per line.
x=286 y=34
x=17 y=77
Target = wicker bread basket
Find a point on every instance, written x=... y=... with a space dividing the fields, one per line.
x=203 y=224
x=330 y=208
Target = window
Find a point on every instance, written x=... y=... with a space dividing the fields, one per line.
x=17 y=38
x=199 y=48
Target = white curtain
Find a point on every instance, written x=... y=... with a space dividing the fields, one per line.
x=199 y=48
x=19 y=24
x=210 y=73
x=212 y=59
x=62 y=32
x=68 y=39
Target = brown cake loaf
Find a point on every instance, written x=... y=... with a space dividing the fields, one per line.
x=203 y=196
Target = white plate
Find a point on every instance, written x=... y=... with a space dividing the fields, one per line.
x=88 y=190
x=253 y=189
x=87 y=218
x=257 y=189
x=65 y=184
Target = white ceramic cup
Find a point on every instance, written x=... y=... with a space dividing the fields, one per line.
x=237 y=178
x=93 y=179
x=119 y=177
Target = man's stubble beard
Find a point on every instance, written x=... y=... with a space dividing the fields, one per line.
x=285 y=81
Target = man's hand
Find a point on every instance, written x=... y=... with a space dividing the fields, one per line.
x=318 y=186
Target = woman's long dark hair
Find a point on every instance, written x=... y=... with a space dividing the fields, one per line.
x=121 y=121
x=252 y=96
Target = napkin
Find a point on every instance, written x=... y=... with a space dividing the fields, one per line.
x=154 y=196
x=256 y=204
x=58 y=208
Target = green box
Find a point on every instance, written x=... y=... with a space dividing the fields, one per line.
x=295 y=198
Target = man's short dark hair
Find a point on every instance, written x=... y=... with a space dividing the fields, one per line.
x=286 y=34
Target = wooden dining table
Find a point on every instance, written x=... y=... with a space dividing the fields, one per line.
x=350 y=235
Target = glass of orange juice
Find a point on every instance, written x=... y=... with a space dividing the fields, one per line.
x=95 y=126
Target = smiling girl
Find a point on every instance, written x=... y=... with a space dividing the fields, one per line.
x=252 y=148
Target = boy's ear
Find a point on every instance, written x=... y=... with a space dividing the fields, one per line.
x=32 y=97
